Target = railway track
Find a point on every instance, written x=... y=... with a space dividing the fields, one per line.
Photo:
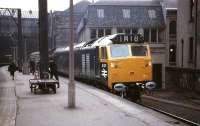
x=181 y=113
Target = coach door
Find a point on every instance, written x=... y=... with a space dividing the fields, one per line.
x=157 y=74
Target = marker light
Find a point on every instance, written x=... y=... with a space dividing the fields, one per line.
x=113 y=65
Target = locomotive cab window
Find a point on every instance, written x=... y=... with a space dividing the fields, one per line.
x=119 y=51
x=103 y=53
x=139 y=50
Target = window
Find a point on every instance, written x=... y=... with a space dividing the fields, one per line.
x=172 y=53
x=126 y=13
x=127 y=38
x=139 y=50
x=146 y=35
x=93 y=33
x=107 y=31
x=153 y=35
x=134 y=31
x=172 y=28
x=152 y=14
x=100 y=13
x=191 y=10
x=97 y=33
x=191 y=49
x=119 y=30
x=100 y=33
x=119 y=51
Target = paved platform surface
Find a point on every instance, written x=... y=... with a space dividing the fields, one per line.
x=8 y=99
x=94 y=107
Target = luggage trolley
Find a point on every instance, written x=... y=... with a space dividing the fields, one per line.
x=43 y=84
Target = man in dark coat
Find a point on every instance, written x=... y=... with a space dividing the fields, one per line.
x=53 y=69
x=12 y=68
x=32 y=67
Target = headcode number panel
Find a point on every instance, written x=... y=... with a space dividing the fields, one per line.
x=104 y=71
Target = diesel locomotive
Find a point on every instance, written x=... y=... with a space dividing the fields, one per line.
x=111 y=60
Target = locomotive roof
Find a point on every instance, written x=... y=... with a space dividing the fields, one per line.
x=110 y=39
x=103 y=41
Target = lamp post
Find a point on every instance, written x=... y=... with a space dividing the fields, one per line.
x=71 y=86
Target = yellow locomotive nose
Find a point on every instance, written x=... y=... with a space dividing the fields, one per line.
x=129 y=68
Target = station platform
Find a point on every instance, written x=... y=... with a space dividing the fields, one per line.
x=94 y=107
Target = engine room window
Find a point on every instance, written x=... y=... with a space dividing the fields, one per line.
x=119 y=51
x=139 y=50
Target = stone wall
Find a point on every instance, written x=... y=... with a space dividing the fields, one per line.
x=188 y=79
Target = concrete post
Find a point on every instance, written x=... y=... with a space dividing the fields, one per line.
x=43 y=37
x=20 y=44
x=71 y=86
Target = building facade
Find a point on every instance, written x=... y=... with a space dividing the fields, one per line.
x=187 y=50
x=171 y=36
x=185 y=73
x=59 y=27
x=9 y=33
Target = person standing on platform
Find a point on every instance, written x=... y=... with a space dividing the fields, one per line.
x=53 y=69
x=32 y=67
x=12 y=68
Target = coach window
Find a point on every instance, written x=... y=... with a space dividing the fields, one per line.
x=103 y=53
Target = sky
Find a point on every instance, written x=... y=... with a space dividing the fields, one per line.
x=27 y=5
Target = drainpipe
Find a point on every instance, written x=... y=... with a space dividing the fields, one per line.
x=182 y=46
x=196 y=16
